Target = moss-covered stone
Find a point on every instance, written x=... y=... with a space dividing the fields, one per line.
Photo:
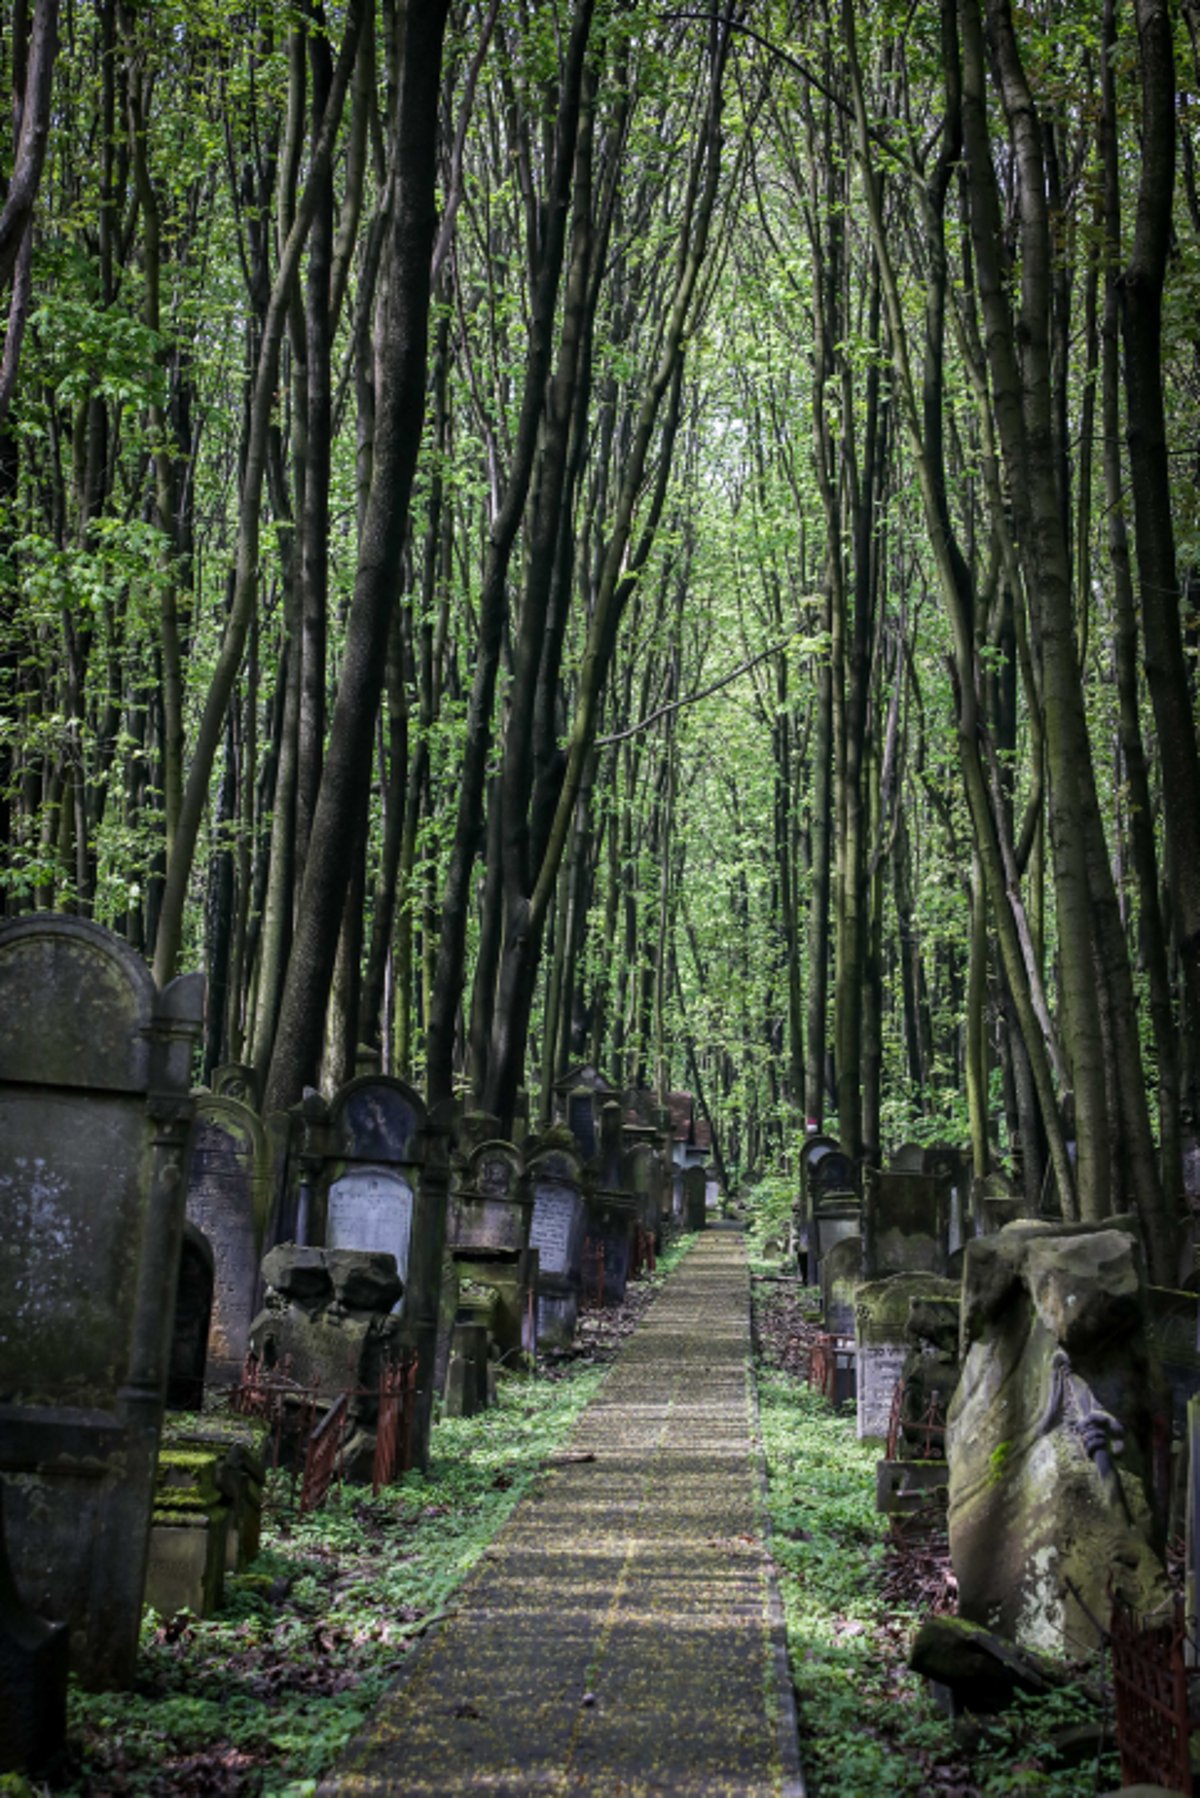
x=1049 y=1436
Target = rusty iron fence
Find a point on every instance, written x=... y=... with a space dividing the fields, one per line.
x=323 y=1455
x=924 y=1436
x=397 y=1415
x=831 y=1367
x=1151 y=1700
x=309 y=1442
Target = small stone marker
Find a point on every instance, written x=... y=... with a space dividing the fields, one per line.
x=94 y=1113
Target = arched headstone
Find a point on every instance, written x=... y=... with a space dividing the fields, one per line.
x=94 y=1112
x=227 y=1198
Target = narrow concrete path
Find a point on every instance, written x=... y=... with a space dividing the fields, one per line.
x=623 y=1634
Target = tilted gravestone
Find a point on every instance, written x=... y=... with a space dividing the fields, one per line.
x=1051 y=1434
x=227 y=1199
x=881 y=1314
x=95 y=1105
x=556 y=1232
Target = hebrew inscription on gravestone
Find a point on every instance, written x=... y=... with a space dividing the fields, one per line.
x=554 y=1212
x=371 y=1208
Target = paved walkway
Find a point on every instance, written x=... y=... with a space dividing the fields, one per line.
x=623 y=1634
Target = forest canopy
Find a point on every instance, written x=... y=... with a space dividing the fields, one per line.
x=657 y=536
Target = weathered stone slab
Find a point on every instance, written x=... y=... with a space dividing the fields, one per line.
x=94 y=1114
x=227 y=1198
x=556 y=1233
x=1051 y=1432
x=490 y=1203
x=905 y=1223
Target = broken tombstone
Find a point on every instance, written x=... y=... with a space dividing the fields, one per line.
x=1050 y=1435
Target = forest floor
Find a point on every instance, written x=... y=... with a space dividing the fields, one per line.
x=853 y=1596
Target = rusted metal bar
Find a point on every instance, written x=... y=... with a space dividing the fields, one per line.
x=323 y=1457
x=394 y=1427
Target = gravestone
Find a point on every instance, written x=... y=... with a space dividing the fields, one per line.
x=95 y=1106
x=908 y=1159
x=611 y=1220
x=488 y=1236
x=189 y=1334
x=556 y=1233
x=881 y=1313
x=490 y=1205
x=833 y=1220
x=238 y=1081
x=380 y=1171
x=228 y=1195
x=1051 y=1435
x=329 y=1318
x=824 y=1170
x=905 y=1223
x=994 y=1203
x=371 y=1168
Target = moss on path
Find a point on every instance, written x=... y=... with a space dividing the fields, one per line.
x=622 y=1634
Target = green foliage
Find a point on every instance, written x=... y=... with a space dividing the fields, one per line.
x=769 y=1214
x=314 y=1632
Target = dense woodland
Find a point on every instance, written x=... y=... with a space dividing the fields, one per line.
x=664 y=536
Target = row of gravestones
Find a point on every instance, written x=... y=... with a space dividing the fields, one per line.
x=367 y=1173
x=121 y=1271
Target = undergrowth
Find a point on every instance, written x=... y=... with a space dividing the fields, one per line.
x=263 y=1697
x=867 y=1724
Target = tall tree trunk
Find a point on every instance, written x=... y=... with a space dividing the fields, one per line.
x=400 y=404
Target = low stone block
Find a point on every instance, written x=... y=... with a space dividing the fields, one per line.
x=186 y=1569
x=983 y=1670
x=241 y=1445
x=33 y=1680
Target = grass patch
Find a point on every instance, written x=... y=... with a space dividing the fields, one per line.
x=867 y=1724
x=264 y=1697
